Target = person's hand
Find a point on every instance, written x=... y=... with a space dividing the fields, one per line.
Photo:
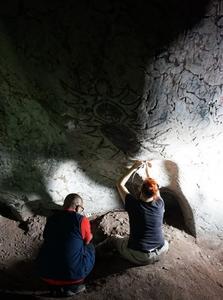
x=137 y=163
x=148 y=164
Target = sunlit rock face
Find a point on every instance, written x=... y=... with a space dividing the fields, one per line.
x=85 y=87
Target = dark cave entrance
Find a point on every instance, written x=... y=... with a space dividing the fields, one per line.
x=6 y=211
x=173 y=215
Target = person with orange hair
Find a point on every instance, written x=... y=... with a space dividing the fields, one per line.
x=146 y=242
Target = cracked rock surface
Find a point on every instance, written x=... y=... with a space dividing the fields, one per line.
x=86 y=86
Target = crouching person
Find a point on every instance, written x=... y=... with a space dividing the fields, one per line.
x=145 y=243
x=66 y=256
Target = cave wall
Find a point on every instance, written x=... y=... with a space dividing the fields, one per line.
x=85 y=87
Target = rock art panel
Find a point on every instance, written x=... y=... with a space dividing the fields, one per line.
x=85 y=87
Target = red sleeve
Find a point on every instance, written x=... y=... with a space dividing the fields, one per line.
x=86 y=230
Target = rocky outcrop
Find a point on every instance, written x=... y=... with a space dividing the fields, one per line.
x=85 y=87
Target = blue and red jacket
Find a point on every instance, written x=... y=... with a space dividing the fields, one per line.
x=66 y=256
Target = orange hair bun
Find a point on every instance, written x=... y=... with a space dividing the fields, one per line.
x=150 y=187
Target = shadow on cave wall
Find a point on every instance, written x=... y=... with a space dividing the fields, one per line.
x=173 y=215
x=80 y=62
x=179 y=212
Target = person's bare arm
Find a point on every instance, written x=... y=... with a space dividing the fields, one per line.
x=123 y=191
x=148 y=165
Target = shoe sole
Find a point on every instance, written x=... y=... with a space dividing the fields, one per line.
x=70 y=293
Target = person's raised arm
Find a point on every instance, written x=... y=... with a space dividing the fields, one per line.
x=148 y=166
x=123 y=191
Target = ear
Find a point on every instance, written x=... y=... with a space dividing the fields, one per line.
x=78 y=209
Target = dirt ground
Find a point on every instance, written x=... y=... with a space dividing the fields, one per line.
x=190 y=270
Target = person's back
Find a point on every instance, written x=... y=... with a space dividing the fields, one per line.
x=145 y=243
x=66 y=257
x=146 y=221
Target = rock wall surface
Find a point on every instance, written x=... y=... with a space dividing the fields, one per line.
x=84 y=87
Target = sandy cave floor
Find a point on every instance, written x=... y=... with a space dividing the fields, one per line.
x=188 y=271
